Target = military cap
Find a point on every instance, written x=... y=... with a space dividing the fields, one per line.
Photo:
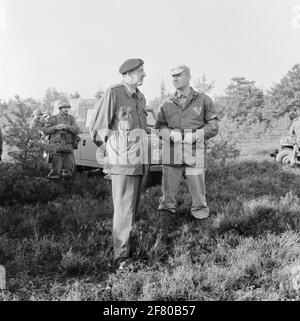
x=179 y=69
x=64 y=102
x=130 y=64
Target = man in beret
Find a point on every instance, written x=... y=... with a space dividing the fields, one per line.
x=186 y=120
x=120 y=122
x=62 y=130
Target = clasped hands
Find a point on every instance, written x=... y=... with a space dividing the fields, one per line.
x=176 y=137
x=61 y=126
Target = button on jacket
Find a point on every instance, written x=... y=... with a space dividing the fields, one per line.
x=120 y=121
x=197 y=112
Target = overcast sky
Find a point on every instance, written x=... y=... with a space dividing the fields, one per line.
x=80 y=44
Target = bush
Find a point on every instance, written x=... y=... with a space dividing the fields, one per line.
x=263 y=215
x=27 y=144
x=75 y=264
x=16 y=186
x=225 y=145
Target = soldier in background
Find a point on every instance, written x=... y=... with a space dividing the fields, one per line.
x=62 y=130
x=37 y=120
x=295 y=129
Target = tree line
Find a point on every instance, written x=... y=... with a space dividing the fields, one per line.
x=243 y=102
x=245 y=111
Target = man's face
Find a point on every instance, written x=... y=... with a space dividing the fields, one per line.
x=137 y=76
x=182 y=80
x=64 y=110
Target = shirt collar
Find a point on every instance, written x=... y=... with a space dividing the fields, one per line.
x=184 y=94
x=192 y=94
x=129 y=90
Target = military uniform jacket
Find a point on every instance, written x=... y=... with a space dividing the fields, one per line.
x=61 y=140
x=120 y=121
x=198 y=113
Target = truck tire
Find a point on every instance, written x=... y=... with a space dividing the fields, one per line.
x=284 y=157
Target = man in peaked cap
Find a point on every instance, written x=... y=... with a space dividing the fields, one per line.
x=186 y=120
x=62 y=130
x=119 y=122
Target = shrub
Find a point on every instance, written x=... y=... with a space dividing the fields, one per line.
x=75 y=264
x=225 y=145
x=26 y=142
x=17 y=187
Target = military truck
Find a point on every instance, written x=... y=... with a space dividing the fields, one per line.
x=289 y=153
x=85 y=156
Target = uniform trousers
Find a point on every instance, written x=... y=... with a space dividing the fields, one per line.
x=126 y=192
x=171 y=178
x=62 y=162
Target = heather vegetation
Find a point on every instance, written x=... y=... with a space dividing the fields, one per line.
x=58 y=246
x=55 y=237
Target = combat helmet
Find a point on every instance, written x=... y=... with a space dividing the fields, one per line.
x=64 y=102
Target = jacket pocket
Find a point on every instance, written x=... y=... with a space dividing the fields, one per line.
x=69 y=139
x=125 y=117
x=173 y=118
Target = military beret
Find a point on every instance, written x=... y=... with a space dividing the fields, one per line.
x=64 y=102
x=130 y=64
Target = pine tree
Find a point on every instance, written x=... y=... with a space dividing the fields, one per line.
x=203 y=86
x=284 y=97
x=51 y=95
x=27 y=144
x=76 y=95
x=245 y=101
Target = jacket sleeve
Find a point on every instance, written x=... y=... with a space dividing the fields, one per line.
x=161 y=125
x=101 y=124
x=50 y=126
x=73 y=128
x=211 y=127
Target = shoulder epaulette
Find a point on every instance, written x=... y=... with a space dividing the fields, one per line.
x=167 y=99
x=115 y=86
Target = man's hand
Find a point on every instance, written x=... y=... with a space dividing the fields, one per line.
x=176 y=136
x=189 y=138
x=61 y=126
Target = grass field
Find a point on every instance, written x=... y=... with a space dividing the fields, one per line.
x=55 y=238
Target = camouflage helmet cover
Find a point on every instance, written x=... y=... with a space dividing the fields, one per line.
x=64 y=102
